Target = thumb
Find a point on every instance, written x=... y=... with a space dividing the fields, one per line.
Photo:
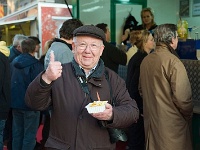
x=52 y=56
x=108 y=106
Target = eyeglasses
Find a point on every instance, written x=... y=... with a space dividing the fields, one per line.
x=83 y=46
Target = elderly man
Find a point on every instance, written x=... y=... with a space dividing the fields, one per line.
x=68 y=88
x=166 y=91
x=15 y=49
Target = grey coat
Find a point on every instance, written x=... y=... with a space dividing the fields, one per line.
x=62 y=53
x=71 y=125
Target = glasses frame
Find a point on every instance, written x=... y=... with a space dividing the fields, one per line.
x=84 y=46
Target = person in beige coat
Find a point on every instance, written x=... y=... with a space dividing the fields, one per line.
x=166 y=91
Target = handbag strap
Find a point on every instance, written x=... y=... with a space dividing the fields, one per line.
x=85 y=88
x=111 y=93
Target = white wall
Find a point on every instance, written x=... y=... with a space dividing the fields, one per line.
x=165 y=11
x=95 y=11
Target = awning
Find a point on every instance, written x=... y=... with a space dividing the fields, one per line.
x=60 y=18
x=18 y=21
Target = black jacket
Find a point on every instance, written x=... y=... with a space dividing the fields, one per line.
x=13 y=53
x=4 y=86
x=133 y=75
x=141 y=27
x=113 y=57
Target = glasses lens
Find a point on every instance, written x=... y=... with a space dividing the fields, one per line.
x=83 y=46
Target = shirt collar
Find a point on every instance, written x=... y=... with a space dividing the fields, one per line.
x=90 y=72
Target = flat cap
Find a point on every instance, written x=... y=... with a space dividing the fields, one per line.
x=90 y=30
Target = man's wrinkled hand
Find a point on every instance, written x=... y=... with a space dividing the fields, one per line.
x=107 y=114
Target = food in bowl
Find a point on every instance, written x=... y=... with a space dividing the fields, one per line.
x=96 y=106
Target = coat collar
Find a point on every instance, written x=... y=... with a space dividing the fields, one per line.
x=160 y=46
x=99 y=70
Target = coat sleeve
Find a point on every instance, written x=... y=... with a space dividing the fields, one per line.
x=181 y=89
x=38 y=97
x=126 y=111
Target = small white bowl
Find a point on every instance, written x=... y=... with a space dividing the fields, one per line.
x=96 y=107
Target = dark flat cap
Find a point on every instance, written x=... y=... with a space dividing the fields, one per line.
x=90 y=30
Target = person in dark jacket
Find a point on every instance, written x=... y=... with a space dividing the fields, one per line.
x=37 y=41
x=70 y=87
x=112 y=56
x=24 y=69
x=145 y=43
x=4 y=88
x=15 y=49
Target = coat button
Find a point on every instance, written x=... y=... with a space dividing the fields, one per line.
x=80 y=117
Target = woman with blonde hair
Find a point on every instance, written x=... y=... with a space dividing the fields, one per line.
x=148 y=23
x=147 y=18
x=144 y=41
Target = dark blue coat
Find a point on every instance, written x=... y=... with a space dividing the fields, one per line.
x=13 y=53
x=24 y=69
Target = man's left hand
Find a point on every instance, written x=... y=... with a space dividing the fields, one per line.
x=107 y=114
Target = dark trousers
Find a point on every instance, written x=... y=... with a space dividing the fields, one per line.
x=8 y=131
x=136 y=136
x=24 y=129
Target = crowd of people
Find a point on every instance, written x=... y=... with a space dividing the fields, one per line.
x=152 y=107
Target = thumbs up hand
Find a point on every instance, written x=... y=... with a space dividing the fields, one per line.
x=53 y=71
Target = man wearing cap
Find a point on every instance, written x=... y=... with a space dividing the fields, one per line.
x=68 y=88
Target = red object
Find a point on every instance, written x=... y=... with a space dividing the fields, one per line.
x=39 y=133
x=50 y=27
x=121 y=145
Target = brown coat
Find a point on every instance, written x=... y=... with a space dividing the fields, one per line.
x=71 y=125
x=167 y=101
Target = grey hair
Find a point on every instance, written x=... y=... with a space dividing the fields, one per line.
x=74 y=39
x=18 y=38
x=165 y=33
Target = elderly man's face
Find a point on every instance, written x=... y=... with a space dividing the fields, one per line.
x=87 y=51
